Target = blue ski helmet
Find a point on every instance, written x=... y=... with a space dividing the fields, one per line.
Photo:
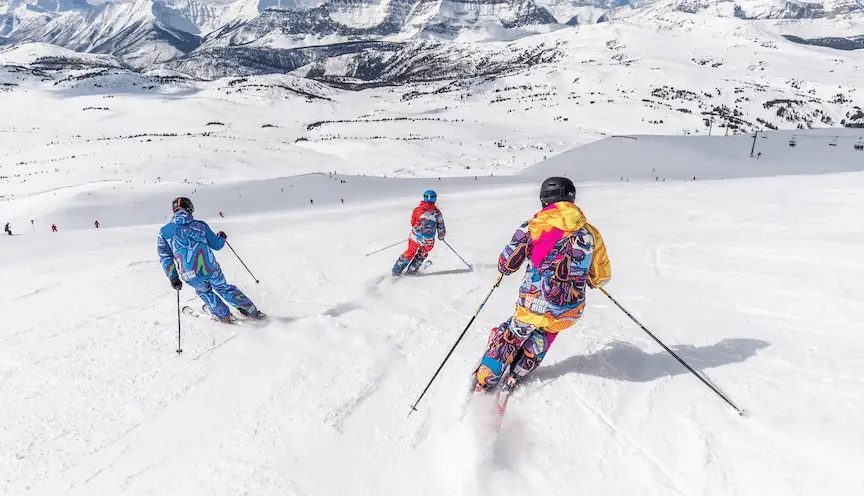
x=430 y=196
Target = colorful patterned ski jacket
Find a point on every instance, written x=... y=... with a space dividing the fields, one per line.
x=564 y=253
x=426 y=220
x=186 y=245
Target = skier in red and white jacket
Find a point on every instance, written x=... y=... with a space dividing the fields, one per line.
x=426 y=221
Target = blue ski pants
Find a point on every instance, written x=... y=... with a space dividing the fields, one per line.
x=207 y=288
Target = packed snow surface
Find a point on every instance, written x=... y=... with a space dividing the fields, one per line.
x=753 y=281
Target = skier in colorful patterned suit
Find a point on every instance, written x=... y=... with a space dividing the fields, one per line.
x=426 y=220
x=564 y=253
x=185 y=248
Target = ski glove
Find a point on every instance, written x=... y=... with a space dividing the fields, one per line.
x=176 y=284
x=222 y=235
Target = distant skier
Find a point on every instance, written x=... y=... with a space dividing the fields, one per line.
x=8 y=229
x=564 y=253
x=96 y=224
x=426 y=220
x=185 y=248
x=53 y=228
x=220 y=215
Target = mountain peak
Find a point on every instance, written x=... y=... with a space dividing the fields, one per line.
x=151 y=31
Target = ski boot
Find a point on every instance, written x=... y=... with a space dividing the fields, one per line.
x=484 y=379
x=507 y=385
x=505 y=389
x=252 y=314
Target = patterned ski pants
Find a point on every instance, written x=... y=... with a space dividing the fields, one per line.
x=205 y=288
x=513 y=343
x=415 y=255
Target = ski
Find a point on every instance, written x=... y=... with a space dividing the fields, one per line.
x=204 y=314
x=187 y=310
x=502 y=397
x=426 y=265
x=503 y=390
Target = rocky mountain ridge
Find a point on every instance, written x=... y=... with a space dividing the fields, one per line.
x=147 y=32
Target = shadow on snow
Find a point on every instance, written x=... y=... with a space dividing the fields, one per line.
x=443 y=273
x=626 y=362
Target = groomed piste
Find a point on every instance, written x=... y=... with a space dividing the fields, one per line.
x=750 y=273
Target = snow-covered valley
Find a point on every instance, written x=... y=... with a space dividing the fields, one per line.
x=427 y=109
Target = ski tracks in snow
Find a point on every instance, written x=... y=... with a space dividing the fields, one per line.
x=650 y=459
x=196 y=420
x=339 y=415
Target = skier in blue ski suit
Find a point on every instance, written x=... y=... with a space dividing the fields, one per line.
x=185 y=248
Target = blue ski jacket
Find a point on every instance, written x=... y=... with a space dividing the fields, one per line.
x=186 y=245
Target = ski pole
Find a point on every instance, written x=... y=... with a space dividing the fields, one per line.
x=387 y=247
x=682 y=362
x=488 y=295
x=458 y=255
x=242 y=262
x=179 y=348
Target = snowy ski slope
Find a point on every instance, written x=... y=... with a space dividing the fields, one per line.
x=752 y=272
x=754 y=281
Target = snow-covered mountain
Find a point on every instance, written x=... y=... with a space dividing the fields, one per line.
x=147 y=31
x=605 y=78
x=144 y=32
x=141 y=32
x=745 y=9
x=345 y=20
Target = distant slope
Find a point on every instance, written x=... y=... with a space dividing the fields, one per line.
x=659 y=158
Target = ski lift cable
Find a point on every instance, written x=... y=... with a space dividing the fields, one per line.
x=796 y=134
x=832 y=138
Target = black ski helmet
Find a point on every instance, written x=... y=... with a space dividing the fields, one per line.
x=556 y=189
x=182 y=203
